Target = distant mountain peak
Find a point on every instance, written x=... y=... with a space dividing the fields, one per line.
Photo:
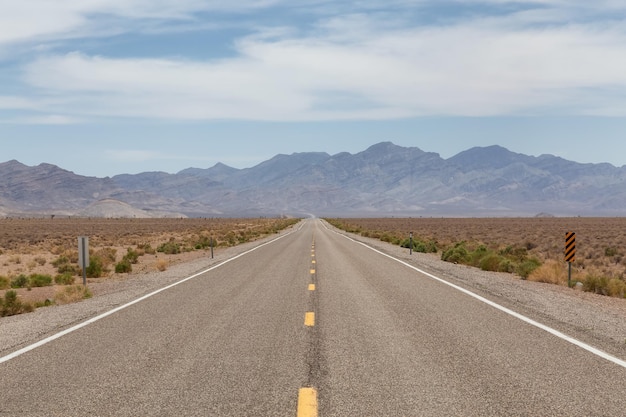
x=385 y=179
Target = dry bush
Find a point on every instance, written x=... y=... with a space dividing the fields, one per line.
x=552 y=272
x=162 y=264
x=71 y=294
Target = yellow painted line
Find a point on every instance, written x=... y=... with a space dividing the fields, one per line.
x=309 y=319
x=312 y=271
x=313 y=261
x=311 y=287
x=307 y=402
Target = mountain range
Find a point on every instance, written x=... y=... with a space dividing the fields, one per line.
x=383 y=180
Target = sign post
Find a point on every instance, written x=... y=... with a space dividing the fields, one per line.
x=570 y=254
x=410 y=243
x=83 y=256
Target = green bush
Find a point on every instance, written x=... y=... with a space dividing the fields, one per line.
x=95 y=268
x=4 y=283
x=490 y=262
x=147 y=248
x=21 y=281
x=40 y=280
x=170 y=248
x=609 y=252
x=132 y=256
x=526 y=268
x=456 y=254
x=61 y=260
x=420 y=245
x=64 y=279
x=506 y=265
x=123 y=267
x=11 y=305
x=64 y=265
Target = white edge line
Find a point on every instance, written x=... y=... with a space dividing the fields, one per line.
x=519 y=316
x=122 y=307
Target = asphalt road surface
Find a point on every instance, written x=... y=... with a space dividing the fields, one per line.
x=311 y=324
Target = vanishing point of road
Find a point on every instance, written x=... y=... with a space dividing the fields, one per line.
x=312 y=323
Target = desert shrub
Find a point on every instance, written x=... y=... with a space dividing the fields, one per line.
x=610 y=251
x=146 y=248
x=107 y=256
x=96 y=267
x=162 y=265
x=476 y=256
x=169 y=248
x=63 y=265
x=61 y=260
x=203 y=242
x=596 y=284
x=40 y=280
x=45 y=303
x=123 y=267
x=72 y=293
x=420 y=245
x=4 y=283
x=41 y=261
x=386 y=237
x=20 y=281
x=616 y=288
x=551 y=272
x=456 y=254
x=490 y=262
x=11 y=305
x=613 y=287
x=526 y=267
x=132 y=256
x=507 y=265
x=64 y=279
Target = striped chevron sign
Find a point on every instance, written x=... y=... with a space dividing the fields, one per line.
x=570 y=247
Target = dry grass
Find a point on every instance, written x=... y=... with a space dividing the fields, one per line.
x=162 y=264
x=551 y=272
x=71 y=294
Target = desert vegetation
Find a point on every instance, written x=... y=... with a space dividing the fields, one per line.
x=532 y=248
x=39 y=257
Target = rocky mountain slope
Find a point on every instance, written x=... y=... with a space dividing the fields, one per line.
x=383 y=180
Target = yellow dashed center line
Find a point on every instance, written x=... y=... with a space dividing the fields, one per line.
x=312 y=271
x=307 y=402
x=309 y=319
x=313 y=261
x=311 y=287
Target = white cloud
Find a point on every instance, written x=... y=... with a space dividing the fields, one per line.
x=353 y=66
x=470 y=69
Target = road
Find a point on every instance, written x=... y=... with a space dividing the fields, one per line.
x=310 y=324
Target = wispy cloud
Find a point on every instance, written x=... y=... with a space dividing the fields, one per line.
x=51 y=119
x=535 y=57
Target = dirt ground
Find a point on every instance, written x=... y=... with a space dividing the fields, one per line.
x=31 y=246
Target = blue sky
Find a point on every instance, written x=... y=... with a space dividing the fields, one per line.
x=102 y=87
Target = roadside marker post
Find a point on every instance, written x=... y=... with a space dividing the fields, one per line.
x=570 y=254
x=410 y=243
x=83 y=256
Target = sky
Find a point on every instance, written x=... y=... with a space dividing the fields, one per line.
x=104 y=87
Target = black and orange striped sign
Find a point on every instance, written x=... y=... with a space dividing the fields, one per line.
x=570 y=247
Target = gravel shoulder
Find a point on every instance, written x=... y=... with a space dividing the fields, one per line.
x=594 y=319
